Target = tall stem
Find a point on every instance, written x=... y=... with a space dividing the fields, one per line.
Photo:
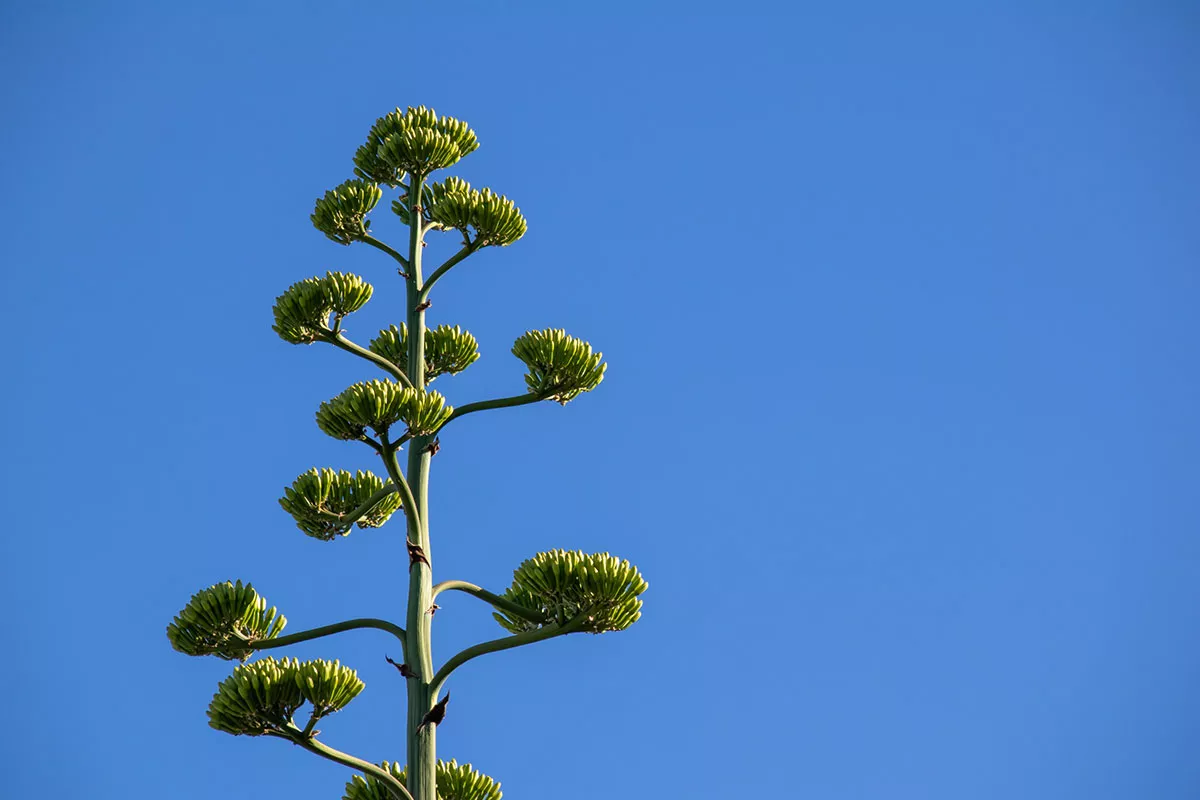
x=422 y=752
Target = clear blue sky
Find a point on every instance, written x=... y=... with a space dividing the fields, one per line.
x=900 y=421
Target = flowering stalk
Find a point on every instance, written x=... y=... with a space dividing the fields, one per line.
x=552 y=594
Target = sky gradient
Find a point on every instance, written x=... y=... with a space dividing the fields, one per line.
x=900 y=309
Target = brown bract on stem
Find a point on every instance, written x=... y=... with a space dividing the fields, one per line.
x=404 y=669
x=416 y=555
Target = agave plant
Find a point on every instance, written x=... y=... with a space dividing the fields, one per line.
x=552 y=594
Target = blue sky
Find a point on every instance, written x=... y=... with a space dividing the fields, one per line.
x=899 y=423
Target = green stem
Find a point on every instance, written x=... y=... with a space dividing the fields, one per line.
x=467 y=249
x=358 y=513
x=341 y=342
x=506 y=643
x=378 y=245
x=496 y=600
x=325 y=751
x=312 y=723
x=374 y=445
x=329 y=630
x=408 y=501
x=422 y=746
x=372 y=501
x=484 y=405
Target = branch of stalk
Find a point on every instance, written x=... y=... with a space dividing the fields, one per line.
x=468 y=248
x=335 y=338
x=495 y=600
x=409 y=503
x=505 y=643
x=484 y=405
x=367 y=238
x=304 y=738
x=329 y=630
x=346 y=520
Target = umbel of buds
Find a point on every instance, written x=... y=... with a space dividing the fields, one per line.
x=393 y=412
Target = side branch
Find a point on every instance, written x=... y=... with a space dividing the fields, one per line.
x=372 y=501
x=467 y=249
x=409 y=502
x=397 y=789
x=346 y=520
x=493 y=599
x=329 y=630
x=507 y=643
x=483 y=405
x=374 y=445
x=378 y=245
x=342 y=343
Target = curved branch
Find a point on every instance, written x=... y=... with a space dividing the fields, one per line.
x=329 y=630
x=372 y=501
x=466 y=250
x=374 y=445
x=378 y=245
x=483 y=405
x=342 y=343
x=496 y=600
x=507 y=643
x=409 y=502
x=348 y=519
x=325 y=751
